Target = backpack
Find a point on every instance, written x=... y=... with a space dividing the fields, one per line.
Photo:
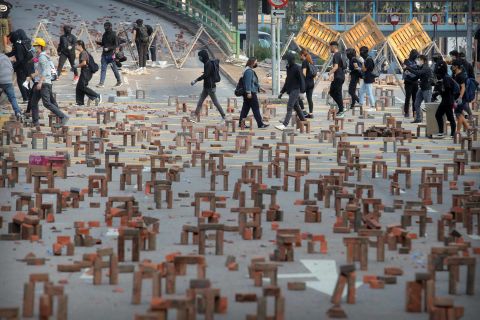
x=28 y=52
x=455 y=88
x=312 y=69
x=471 y=87
x=92 y=65
x=142 y=34
x=240 y=88
x=344 y=62
x=216 y=70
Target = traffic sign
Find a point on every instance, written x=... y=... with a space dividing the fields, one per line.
x=434 y=18
x=394 y=19
x=277 y=4
x=279 y=13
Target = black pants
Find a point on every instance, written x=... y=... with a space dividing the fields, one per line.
x=82 y=87
x=336 y=92
x=153 y=52
x=21 y=77
x=251 y=104
x=142 y=54
x=352 y=89
x=445 y=109
x=48 y=101
x=411 y=89
x=61 y=61
x=33 y=99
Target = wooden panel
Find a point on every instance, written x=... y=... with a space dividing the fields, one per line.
x=315 y=37
x=364 y=33
x=410 y=36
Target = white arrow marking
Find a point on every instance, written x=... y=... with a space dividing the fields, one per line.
x=326 y=273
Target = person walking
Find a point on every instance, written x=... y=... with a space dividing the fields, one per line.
x=23 y=66
x=140 y=39
x=294 y=84
x=209 y=86
x=460 y=76
x=410 y=82
x=66 y=51
x=337 y=76
x=109 y=44
x=250 y=99
x=43 y=73
x=310 y=73
x=6 y=84
x=368 y=79
x=444 y=88
x=85 y=76
x=355 y=68
x=424 y=94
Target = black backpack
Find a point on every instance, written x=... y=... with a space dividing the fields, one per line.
x=28 y=53
x=92 y=65
x=142 y=34
x=312 y=70
x=216 y=70
x=240 y=88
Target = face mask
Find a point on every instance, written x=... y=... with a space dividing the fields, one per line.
x=255 y=65
x=453 y=69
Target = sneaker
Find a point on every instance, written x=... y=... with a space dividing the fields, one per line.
x=264 y=126
x=309 y=116
x=98 y=100
x=371 y=109
x=19 y=116
x=118 y=84
x=280 y=127
x=78 y=105
x=416 y=121
x=64 y=120
x=24 y=102
x=406 y=115
x=75 y=80
x=340 y=114
x=222 y=121
x=37 y=127
x=439 y=136
x=100 y=85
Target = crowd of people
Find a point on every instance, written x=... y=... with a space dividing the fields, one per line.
x=423 y=83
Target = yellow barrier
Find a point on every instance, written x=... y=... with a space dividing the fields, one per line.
x=315 y=37
x=364 y=33
x=410 y=36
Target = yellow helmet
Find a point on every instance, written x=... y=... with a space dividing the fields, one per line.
x=39 y=42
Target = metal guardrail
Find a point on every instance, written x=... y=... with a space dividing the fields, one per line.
x=214 y=22
x=446 y=18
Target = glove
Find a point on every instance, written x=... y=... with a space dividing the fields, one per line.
x=69 y=47
x=132 y=44
x=280 y=96
x=458 y=101
x=193 y=82
x=105 y=49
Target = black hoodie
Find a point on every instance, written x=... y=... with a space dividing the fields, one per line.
x=208 y=70
x=295 y=79
x=109 y=41
x=66 y=40
x=21 y=44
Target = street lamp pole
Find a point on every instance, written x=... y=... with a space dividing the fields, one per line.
x=455 y=22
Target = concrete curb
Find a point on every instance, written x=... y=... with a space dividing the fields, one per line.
x=189 y=26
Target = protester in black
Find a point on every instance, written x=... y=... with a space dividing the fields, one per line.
x=66 y=50
x=250 y=99
x=477 y=47
x=209 y=86
x=307 y=66
x=410 y=82
x=425 y=74
x=23 y=65
x=444 y=87
x=153 y=47
x=110 y=44
x=85 y=76
x=140 y=38
x=355 y=75
x=338 y=78
x=294 y=84
x=460 y=77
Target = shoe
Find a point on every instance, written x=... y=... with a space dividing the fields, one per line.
x=64 y=121
x=75 y=80
x=439 y=136
x=100 y=85
x=280 y=127
x=246 y=127
x=416 y=121
x=264 y=126
x=78 y=105
x=37 y=127
x=371 y=109
x=340 y=114
x=406 y=115
x=19 y=116
x=192 y=121
x=222 y=121
x=24 y=102
x=309 y=116
x=118 y=84
x=352 y=107
x=98 y=100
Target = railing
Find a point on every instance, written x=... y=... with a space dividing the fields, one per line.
x=383 y=18
x=221 y=29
